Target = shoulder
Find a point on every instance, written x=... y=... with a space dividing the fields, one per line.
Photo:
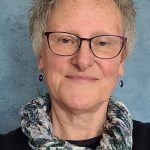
x=15 y=140
x=141 y=135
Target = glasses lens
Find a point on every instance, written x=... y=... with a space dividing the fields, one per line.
x=63 y=43
x=106 y=46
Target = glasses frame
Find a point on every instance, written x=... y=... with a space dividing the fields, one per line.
x=124 y=40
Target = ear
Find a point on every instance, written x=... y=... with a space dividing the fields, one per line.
x=124 y=53
x=40 y=61
x=121 y=69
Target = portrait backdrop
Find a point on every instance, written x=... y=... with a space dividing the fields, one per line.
x=19 y=73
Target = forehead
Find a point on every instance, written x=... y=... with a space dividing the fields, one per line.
x=92 y=14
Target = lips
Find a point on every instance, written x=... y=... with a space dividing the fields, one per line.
x=82 y=77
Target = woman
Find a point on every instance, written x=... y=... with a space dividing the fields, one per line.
x=81 y=47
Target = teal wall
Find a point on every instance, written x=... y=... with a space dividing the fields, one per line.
x=19 y=74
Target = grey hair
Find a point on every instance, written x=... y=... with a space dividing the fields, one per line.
x=40 y=10
x=128 y=12
x=38 y=15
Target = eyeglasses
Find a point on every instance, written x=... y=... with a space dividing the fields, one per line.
x=102 y=46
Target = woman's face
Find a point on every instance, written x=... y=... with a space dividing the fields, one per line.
x=82 y=81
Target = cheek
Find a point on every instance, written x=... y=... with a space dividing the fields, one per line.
x=110 y=74
x=54 y=71
x=53 y=64
x=110 y=68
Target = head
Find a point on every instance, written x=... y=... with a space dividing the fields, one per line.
x=82 y=80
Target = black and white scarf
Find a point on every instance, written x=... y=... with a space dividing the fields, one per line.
x=37 y=126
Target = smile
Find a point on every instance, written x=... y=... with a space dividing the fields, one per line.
x=81 y=78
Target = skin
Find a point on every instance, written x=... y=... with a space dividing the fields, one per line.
x=80 y=85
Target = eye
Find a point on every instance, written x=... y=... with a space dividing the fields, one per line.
x=102 y=43
x=66 y=40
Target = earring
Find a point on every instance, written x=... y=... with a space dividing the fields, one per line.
x=121 y=83
x=40 y=77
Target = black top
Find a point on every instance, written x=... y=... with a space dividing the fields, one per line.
x=16 y=140
x=91 y=143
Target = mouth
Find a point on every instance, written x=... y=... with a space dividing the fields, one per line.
x=81 y=78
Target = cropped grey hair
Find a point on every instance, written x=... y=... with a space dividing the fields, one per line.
x=40 y=10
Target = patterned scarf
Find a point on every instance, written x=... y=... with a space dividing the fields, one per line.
x=37 y=126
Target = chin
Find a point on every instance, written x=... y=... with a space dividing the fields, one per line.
x=79 y=105
x=82 y=104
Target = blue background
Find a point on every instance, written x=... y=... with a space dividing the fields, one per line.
x=19 y=74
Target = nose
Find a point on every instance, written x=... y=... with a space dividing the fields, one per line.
x=83 y=58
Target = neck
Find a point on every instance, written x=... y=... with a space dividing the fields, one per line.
x=78 y=125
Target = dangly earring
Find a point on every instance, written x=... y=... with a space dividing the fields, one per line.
x=41 y=77
x=121 y=83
